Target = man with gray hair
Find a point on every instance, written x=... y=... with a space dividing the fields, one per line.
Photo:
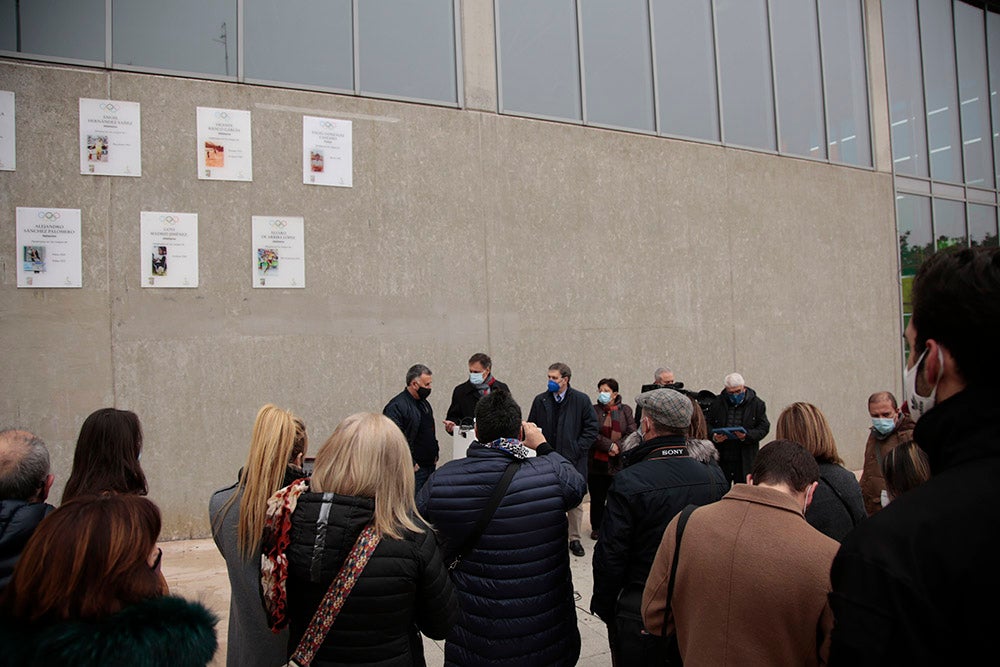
x=663 y=378
x=25 y=481
x=414 y=416
x=737 y=422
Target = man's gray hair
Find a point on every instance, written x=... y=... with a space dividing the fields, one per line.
x=416 y=370
x=24 y=464
x=735 y=380
x=660 y=371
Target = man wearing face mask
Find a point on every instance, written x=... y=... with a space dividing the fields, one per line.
x=737 y=407
x=414 y=416
x=890 y=428
x=465 y=396
x=567 y=419
x=916 y=583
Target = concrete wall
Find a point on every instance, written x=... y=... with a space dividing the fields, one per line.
x=464 y=231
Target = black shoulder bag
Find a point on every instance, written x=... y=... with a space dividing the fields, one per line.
x=487 y=515
x=673 y=652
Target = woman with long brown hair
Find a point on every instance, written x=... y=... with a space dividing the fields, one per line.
x=106 y=458
x=88 y=591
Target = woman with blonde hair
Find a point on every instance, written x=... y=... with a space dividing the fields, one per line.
x=362 y=481
x=277 y=450
x=837 y=504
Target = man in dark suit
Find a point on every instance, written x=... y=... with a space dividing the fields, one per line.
x=465 y=396
x=569 y=423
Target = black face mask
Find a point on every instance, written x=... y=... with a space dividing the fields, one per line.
x=423 y=392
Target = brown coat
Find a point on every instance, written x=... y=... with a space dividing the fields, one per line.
x=751 y=583
x=872 y=481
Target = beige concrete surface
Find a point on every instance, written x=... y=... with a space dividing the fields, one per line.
x=194 y=569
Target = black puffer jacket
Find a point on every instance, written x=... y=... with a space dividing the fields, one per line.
x=515 y=585
x=18 y=520
x=405 y=586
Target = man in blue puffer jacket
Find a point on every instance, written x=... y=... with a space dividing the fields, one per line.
x=514 y=586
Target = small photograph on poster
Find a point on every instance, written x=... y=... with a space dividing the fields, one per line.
x=316 y=160
x=267 y=261
x=159 y=259
x=215 y=155
x=34 y=258
x=97 y=148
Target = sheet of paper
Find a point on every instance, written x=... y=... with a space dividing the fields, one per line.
x=8 y=152
x=278 y=251
x=49 y=248
x=169 y=249
x=327 y=157
x=110 y=138
x=225 y=151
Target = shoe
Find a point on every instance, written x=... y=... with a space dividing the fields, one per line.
x=576 y=548
x=593 y=534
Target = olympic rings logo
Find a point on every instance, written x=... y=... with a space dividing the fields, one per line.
x=278 y=224
x=49 y=215
x=222 y=115
x=169 y=219
x=108 y=106
x=326 y=125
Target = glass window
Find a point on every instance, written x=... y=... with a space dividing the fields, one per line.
x=316 y=39
x=970 y=42
x=685 y=68
x=407 y=49
x=538 y=56
x=844 y=68
x=937 y=44
x=982 y=225
x=617 y=63
x=949 y=224
x=993 y=46
x=745 y=72
x=71 y=29
x=197 y=36
x=906 y=95
x=913 y=220
x=797 y=78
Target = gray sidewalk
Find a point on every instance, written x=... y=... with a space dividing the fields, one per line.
x=195 y=570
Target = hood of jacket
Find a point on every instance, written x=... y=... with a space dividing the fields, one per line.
x=959 y=430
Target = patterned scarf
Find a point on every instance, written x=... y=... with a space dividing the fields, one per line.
x=485 y=387
x=512 y=446
x=611 y=428
x=274 y=543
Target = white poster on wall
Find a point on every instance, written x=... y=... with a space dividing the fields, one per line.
x=110 y=138
x=169 y=249
x=49 y=248
x=8 y=153
x=225 y=152
x=278 y=252
x=327 y=157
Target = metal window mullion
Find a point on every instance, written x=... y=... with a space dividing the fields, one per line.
x=456 y=20
x=868 y=97
x=580 y=65
x=958 y=105
x=774 y=79
x=652 y=57
x=357 y=49
x=822 y=82
x=923 y=96
x=718 y=75
x=240 y=46
x=108 y=36
x=989 y=98
x=497 y=58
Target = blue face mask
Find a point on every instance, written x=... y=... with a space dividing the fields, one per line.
x=604 y=397
x=553 y=386
x=736 y=399
x=883 y=425
x=476 y=378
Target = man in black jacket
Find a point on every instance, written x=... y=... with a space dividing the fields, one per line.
x=465 y=396
x=567 y=418
x=739 y=407
x=667 y=474
x=414 y=416
x=25 y=481
x=916 y=583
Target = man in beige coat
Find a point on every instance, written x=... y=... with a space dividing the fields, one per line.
x=753 y=576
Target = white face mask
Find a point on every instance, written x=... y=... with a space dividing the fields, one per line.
x=919 y=405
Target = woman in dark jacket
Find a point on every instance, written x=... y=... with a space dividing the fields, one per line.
x=362 y=475
x=837 y=505
x=614 y=423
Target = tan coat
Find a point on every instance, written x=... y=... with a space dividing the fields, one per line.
x=751 y=583
x=872 y=481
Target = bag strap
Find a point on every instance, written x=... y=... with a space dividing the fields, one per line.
x=681 y=522
x=484 y=519
x=335 y=596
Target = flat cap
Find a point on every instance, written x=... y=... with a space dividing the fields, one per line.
x=667 y=407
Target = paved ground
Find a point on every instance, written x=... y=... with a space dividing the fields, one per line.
x=195 y=570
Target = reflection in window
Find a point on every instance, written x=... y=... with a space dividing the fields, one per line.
x=72 y=29
x=407 y=49
x=797 y=78
x=937 y=44
x=970 y=41
x=745 y=73
x=949 y=224
x=316 y=40
x=906 y=95
x=846 y=80
x=197 y=36
x=685 y=68
x=993 y=47
x=616 y=63
x=538 y=58
x=982 y=225
x=913 y=220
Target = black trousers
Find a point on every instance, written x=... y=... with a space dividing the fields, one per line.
x=599 y=485
x=632 y=646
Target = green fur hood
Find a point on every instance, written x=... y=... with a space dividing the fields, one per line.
x=159 y=632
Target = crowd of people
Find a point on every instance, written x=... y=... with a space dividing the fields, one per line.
x=712 y=546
